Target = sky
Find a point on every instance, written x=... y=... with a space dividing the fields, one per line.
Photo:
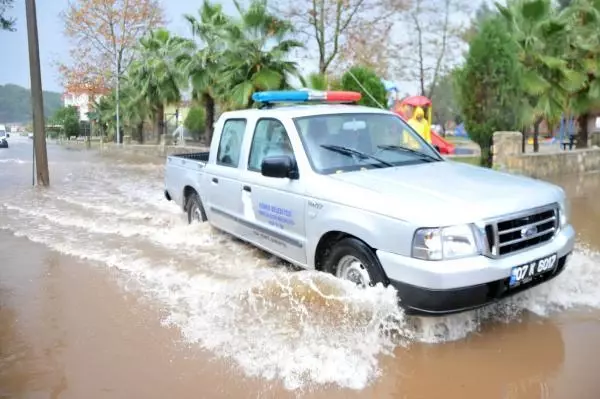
x=54 y=46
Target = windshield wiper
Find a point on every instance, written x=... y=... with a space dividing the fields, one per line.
x=407 y=149
x=351 y=151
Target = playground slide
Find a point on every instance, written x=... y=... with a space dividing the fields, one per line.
x=445 y=146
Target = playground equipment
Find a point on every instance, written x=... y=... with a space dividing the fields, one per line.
x=566 y=134
x=444 y=146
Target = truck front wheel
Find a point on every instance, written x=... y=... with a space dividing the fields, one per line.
x=353 y=260
x=195 y=210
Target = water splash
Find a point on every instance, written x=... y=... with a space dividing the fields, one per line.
x=303 y=328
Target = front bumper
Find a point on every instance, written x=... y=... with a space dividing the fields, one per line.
x=430 y=302
x=444 y=287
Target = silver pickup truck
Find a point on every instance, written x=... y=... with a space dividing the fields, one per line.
x=355 y=192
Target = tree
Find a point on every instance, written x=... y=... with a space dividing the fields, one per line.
x=444 y=100
x=482 y=13
x=542 y=41
x=256 y=59
x=432 y=42
x=68 y=117
x=5 y=22
x=332 y=25
x=195 y=120
x=366 y=82
x=104 y=35
x=369 y=46
x=158 y=75
x=489 y=85
x=583 y=52
x=205 y=66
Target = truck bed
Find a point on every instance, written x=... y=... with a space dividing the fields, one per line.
x=196 y=156
x=183 y=170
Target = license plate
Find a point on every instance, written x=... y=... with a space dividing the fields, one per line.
x=525 y=273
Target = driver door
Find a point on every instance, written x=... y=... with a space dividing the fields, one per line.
x=274 y=208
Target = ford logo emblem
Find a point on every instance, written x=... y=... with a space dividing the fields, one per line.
x=529 y=231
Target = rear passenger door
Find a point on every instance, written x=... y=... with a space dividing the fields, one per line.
x=273 y=208
x=225 y=204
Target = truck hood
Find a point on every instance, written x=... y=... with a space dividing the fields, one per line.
x=441 y=193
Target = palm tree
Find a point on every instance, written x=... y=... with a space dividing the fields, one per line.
x=205 y=65
x=158 y=74
x=548 y=79
x=105 y=110
x=134 y=110
x=583 y=19
x=257 y=54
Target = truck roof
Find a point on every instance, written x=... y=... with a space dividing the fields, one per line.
x=295 y=111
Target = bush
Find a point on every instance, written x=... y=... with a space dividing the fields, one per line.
x=68 y=117
x=372 y=85
x=488 y=86
x=195 y=120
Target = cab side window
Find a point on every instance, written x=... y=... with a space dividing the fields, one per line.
x=270 y=139
x=230 y=144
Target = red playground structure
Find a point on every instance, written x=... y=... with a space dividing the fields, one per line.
x=444 y=146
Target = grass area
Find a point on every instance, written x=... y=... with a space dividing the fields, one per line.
x=470 y=160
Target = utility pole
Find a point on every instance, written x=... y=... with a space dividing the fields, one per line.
x=37 y=100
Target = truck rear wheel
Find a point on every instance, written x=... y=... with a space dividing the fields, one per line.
x=195 y=210
x=353 y=260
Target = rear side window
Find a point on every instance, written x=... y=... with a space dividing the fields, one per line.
x=230 y=144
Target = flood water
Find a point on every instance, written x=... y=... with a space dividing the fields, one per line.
x=106 y=292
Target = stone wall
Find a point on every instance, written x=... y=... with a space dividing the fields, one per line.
x=150 y=150
x=507 y=156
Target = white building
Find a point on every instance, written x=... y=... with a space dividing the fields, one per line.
x=82 y=101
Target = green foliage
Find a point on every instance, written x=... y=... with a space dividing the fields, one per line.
x=583 y=54
x=256 y=56
x=317 y=81
x=195 y=119
x=545 y=47
x=372 y=90
x=15 y=104
x=6 y=23
x=68 y=117
x=489 y=85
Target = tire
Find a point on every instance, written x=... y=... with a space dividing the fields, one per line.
x=195 y=210
x=350 y=250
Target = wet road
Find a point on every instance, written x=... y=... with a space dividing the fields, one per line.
x=105 y=291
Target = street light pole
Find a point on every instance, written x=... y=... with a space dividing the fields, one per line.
x=118 y=73
x=37 y=100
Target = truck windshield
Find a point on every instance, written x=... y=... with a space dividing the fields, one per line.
x=345 y=142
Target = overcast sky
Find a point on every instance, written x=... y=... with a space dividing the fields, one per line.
x=54 y=46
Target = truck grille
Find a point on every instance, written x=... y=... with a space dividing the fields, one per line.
x=518 y=232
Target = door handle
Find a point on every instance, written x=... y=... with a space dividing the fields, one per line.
x=247 y=188
x=215 y=180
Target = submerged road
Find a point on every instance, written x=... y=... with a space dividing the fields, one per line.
x=105 y=291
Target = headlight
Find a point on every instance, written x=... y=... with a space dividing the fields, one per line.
x=564 y=212
x=445 y=243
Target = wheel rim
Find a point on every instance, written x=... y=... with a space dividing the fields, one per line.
x=196 y=213
x=351 y=268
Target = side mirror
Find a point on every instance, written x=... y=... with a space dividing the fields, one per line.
x=281 y=166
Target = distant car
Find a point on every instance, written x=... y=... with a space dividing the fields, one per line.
x=30 y=135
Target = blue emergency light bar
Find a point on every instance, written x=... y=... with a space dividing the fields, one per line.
x=305 y=96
